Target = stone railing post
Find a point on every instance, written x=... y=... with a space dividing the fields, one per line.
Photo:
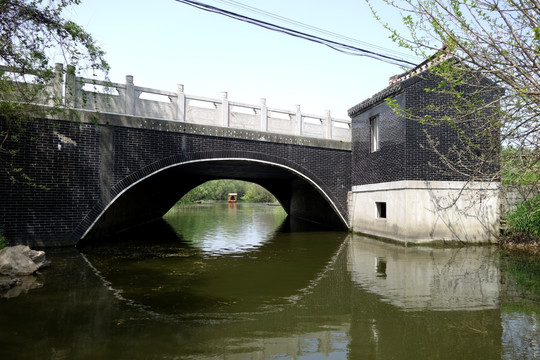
x=224 y=109
x=180 y=103
x=72 y=87
x=129 y=97
x=298 y=120
x=57 y=86
x=329 y=125
x=264 y=115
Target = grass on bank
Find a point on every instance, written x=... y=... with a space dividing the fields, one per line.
x=523 y=224
x=520 y=167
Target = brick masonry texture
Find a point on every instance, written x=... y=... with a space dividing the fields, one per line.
x=387 y=164
x=57 y=156
x=67 y=158
x=329 y=168
x=405 y=153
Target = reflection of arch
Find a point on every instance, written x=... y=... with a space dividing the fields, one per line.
x=310 y=272
x=147 y=194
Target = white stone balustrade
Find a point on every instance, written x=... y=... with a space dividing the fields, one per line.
x=128 y=99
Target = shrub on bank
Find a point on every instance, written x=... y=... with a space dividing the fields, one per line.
x=3 y=241
x=523 y=224
x=219 y=189
x=256 y=193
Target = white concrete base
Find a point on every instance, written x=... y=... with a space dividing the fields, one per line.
x=427 y=211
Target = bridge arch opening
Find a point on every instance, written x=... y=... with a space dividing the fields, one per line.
x=230 y=190
x=152 y=196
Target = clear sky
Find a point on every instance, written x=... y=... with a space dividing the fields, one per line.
x=163 y=43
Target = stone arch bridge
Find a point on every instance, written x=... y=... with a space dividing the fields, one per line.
x=118 y=155
x=111 y=170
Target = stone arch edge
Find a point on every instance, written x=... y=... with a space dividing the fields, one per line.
x=181 y=159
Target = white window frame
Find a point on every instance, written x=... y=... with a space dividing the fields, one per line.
x=374 y=133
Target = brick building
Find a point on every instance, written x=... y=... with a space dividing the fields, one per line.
x=401 y=189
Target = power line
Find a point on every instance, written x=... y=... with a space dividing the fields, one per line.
x=316 y=29
x=344 y=48
x=338 y=46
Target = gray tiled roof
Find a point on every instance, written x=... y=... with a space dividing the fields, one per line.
x=393 y=89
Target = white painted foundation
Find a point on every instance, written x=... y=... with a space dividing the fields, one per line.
x=427 y=211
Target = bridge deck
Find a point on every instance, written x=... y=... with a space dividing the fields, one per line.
x=75 y=92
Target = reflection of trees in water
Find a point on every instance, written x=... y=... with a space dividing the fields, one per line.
x=520 y=276
x=224 y=226
x=520 y=298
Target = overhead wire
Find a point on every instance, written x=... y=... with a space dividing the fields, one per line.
x=314 y=28
x=338 y=46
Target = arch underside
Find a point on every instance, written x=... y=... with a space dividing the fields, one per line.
x=153 y=195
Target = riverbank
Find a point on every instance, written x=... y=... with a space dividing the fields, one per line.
x=532 y=248
x=520 y=241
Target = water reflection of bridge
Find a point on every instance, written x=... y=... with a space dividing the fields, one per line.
x=387 y=313
x=348 y=310
x=326 y=343
x=426 y=278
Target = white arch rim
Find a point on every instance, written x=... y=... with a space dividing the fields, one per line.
x=297 y=173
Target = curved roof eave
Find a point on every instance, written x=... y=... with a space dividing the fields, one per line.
x=391 y=90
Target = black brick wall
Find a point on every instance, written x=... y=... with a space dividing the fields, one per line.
x=72 y=174
x=62 y=158
x=404 y=150
x=423 y=161
x=328 y=167
x=387 y=164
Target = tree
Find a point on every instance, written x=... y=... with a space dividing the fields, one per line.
x=33 y=36
x=486 y=55
x=219 y=189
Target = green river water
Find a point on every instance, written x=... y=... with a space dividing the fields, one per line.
x=242 y=281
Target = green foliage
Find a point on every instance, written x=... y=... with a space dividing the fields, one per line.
x=219 y=190
x=3 y=241
x=33 y=30
x=32 y=35
x=256 y=193
x=484 y=56
x=520 y=167
x=523 y=224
